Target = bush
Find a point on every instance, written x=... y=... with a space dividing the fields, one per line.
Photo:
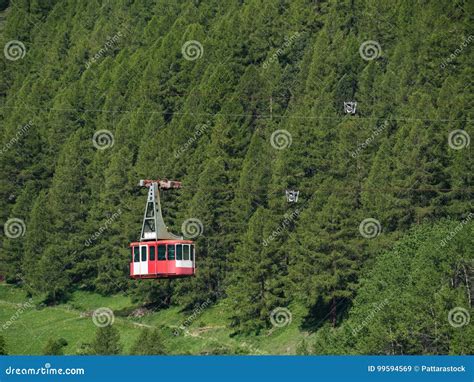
x=55 y=347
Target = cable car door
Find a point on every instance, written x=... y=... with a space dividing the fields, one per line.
x=136 y=260
x=143 y=260
x=152 y=259
x=161 y=260
x=171 y=263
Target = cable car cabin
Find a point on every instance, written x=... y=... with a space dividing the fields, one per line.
x=159 y=253
x=162 y=259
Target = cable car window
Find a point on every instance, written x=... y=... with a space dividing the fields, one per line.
x=149 y=210
x=186 y=252
x=192 y=252
x=143 y=253
x=136 y=254
x=179 y=252
x=152 y=253
x=162 y=252
x=171 y=252
x=149 y=225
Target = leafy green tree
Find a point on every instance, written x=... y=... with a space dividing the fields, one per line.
x=412 y=308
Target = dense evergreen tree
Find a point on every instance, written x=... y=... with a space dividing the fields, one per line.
x=256 y=282
x=107 y=341
x=3 y=347
x=39 y=227
x=149 y=342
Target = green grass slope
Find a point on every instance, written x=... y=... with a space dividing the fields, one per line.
x=207 y=333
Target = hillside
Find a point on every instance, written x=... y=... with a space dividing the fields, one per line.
x=241 y=101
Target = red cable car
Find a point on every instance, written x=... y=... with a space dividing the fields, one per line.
x=159 y=253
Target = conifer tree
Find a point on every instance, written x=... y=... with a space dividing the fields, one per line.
x=149 y=342
x=36 y=240
x=107 y=341
x=3 y=347
x=255 y=283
